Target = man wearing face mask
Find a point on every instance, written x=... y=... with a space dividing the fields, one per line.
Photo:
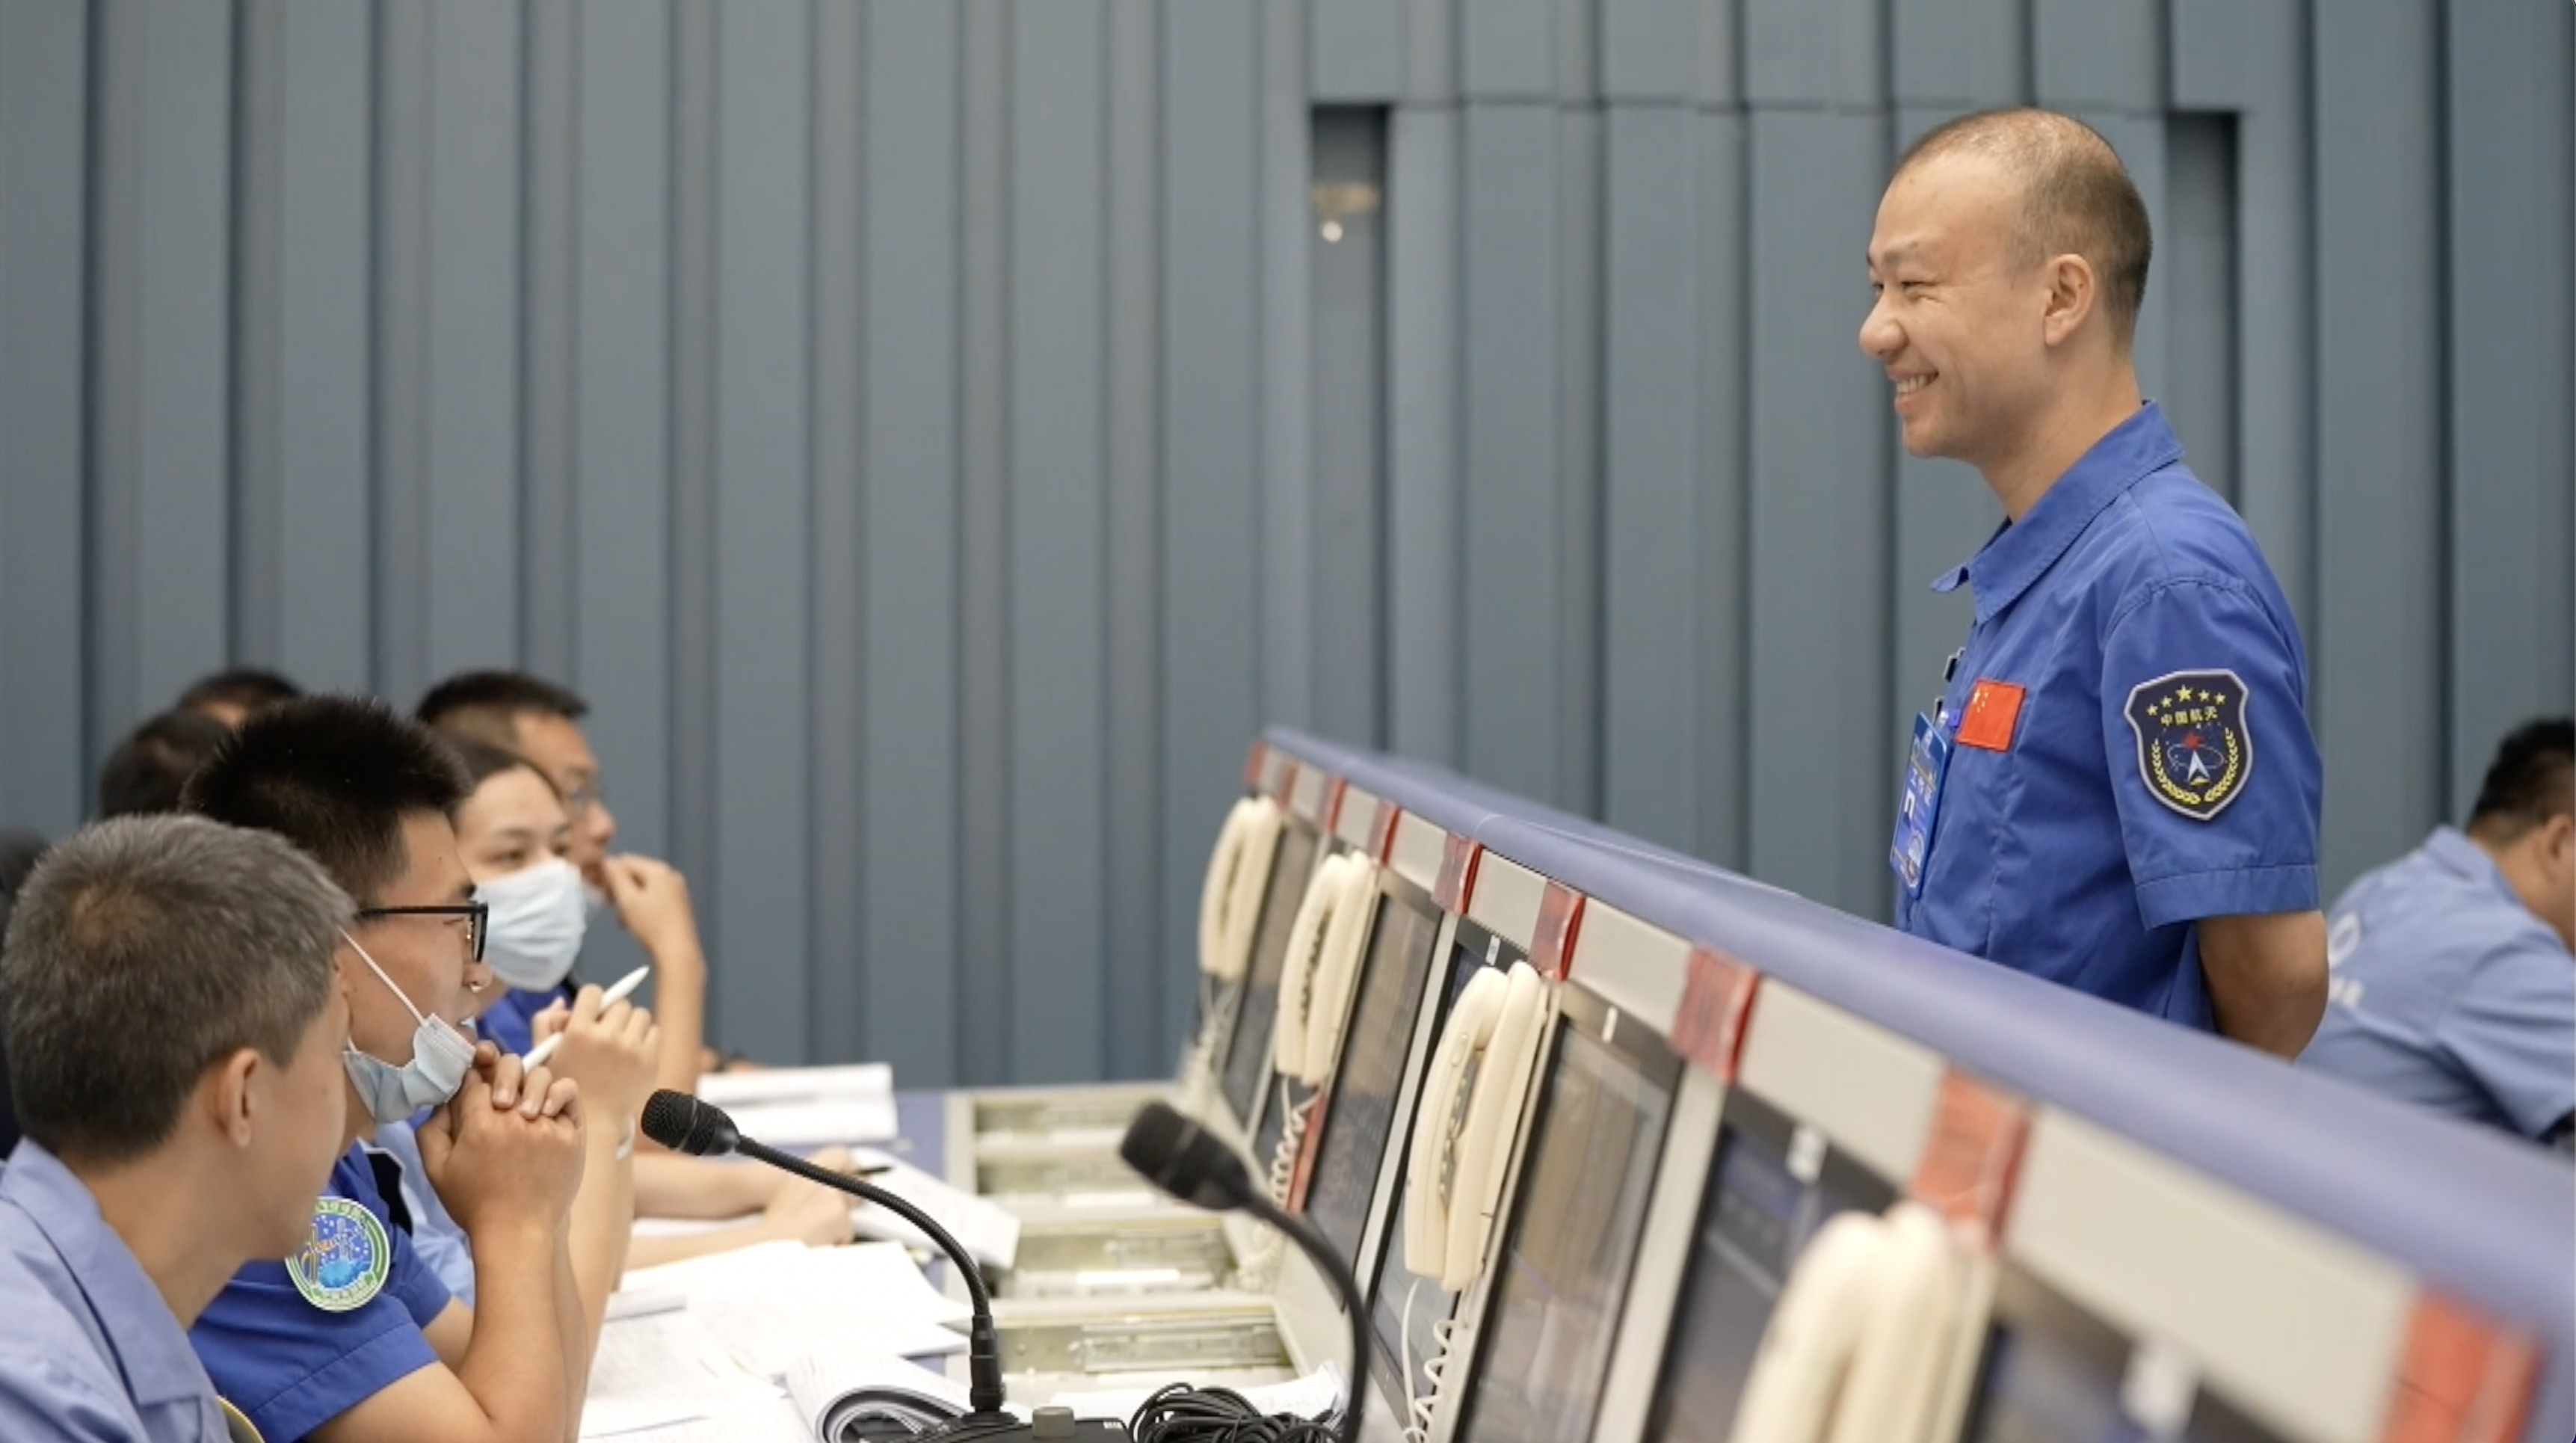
x=536 y=719
x=356 y=1338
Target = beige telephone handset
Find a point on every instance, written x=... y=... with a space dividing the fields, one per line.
x=1462 y=1134
x=1855 y=1348
x=1230 y=897
x=1315 y=982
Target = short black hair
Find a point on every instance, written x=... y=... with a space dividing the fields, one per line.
x=487 y=705
x=335 y=775
x=247 y=687
x=2532 y=779
x=147 y=770
x=2077 y=196
x=20 y=851
x=484 y=761
x=145 y=950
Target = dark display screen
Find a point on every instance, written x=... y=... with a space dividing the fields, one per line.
x=1247 y=1056
x=1757 y=1217
x=1564 y=1269
x=1360 y=1113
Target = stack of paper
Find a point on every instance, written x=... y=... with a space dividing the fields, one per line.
x=662 y=1368
x=767 y=1307
x=987 y=1230
x=808 y=1106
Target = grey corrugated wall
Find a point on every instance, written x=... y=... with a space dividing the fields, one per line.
x=900 y=417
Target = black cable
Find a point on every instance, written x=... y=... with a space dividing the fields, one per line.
x=1180 y=1413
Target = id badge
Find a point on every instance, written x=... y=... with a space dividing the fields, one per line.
x=1927 y=761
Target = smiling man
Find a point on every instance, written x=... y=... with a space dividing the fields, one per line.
x=2119 y=789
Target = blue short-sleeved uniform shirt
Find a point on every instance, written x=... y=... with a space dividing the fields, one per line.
x=435 y=1233
x=510 y=1022
x=2449 y=992
x=2130 y=745
x=296 y=1344
x=88 y=1348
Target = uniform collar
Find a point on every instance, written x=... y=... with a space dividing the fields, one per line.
x=158 y=1364
x=2019 y=553
x=2452 y=849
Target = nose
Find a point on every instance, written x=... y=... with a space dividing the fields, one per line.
x=1880 y=336
x=604 y=822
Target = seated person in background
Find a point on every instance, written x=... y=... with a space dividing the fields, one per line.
x=371 y=1346
x=2454 y=984
x=513 y=835
x=147 y=769
x=19 y=853
x=540 y=721
x=236 y=692
x=175 y=1129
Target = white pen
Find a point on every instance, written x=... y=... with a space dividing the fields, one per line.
x=624 y=989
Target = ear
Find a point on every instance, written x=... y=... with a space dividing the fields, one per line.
x=226 y=1091
x=2558 y=839
x=2074 y=293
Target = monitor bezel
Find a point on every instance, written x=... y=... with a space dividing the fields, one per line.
x=1578 y=1008
x=1240 y=1129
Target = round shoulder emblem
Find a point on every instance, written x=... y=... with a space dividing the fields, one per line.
x=343 y=1265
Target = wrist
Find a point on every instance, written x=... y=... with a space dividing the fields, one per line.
x=509 y=1242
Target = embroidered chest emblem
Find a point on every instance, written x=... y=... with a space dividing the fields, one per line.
x=2195 y=751
x=345 y=1261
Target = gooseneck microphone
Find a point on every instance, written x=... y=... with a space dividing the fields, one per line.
x=1182 y=1159
x=684 y=1124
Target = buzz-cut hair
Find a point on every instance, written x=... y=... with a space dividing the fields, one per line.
x=247 y=687
x=2532 y=779
x=144 y=950
x=151 y=766
x=335 y=775
x=2077 y=198
x=485 y=706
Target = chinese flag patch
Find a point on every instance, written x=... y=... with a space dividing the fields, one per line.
x=1988 y=722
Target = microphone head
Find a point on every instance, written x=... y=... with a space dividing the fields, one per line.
x=686 y=1125
x=1179 y=1157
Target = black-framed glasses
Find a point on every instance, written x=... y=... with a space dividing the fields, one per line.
x=477 y=915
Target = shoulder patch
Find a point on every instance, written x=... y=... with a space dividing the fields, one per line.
x=345 y=1262
x=2195 y=750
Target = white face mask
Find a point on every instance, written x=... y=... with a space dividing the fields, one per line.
x=594 y=898
x=440 y=1058
x=537 y=918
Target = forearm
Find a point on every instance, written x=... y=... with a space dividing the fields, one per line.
x=668 y=1185
x=2267 y=978
x=680 y=1006
x=578 y=1325
x=518 y=1365
x=602 y=1223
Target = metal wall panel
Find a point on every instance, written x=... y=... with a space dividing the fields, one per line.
x=900 y=418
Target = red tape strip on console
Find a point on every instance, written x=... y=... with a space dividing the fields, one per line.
x=2465 y=1378
x=1560 y=918
x=1969 y=1162
x=1381 y=837
x=1333 y=791
x=1717 y=1002
x=1254 y=765
x=1458 y=859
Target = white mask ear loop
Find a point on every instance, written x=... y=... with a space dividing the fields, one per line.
x=399 y=996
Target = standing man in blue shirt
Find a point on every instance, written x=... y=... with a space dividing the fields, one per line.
x=2117 y=789
x=175 y=1023
x=2455 y=965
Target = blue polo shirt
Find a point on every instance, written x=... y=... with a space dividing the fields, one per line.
x=2449 y=992
x=510 y=1022
x=2130 y=743
x=296 y=1344
x=88 y=1347
x=435 y=1233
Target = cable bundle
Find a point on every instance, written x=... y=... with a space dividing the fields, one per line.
x=1180 y=1413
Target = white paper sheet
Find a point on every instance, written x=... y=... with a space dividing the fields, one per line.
x=986 y=1230
x=810 y=1122
x=768 y=1306
x=771 y=1420
x=857 y=1082
x=658 y=1369
x=903 y=1390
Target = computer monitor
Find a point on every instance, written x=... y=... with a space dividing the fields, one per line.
x=1357 y=1115
x=1247 y=1052
x=1773 y=1186
x=2053 y=1369
x=1405 y=1309
x=1561 y=1281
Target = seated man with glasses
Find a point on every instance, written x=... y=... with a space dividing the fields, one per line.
x=540 y=721
x=354 y=1336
